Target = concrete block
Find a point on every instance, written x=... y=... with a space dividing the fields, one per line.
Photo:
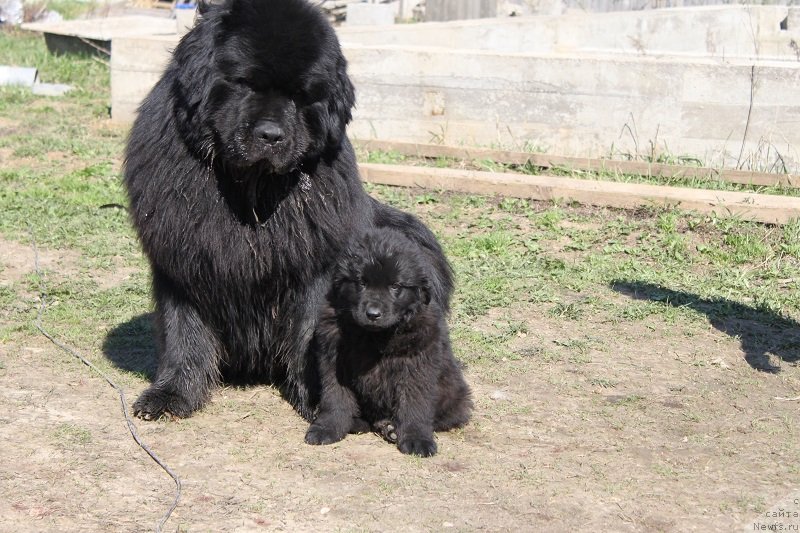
x=441 y=10
x=51 y=89
x=23 y=76
x=371 y=14
x=136 y=66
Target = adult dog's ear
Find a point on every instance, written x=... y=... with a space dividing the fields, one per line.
x=340 y=105
x=424 y=293
x=204 y=6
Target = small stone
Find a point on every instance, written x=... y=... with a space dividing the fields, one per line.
x=448 y=524
x=325 y=510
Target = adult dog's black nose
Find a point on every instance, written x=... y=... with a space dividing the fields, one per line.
x=269 y=131
x=373 y=312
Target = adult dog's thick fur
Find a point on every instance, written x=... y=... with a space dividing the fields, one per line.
x=243 y=189
x=384 y=349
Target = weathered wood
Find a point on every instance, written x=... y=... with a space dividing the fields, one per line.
x=770 y=209
x=641 y=168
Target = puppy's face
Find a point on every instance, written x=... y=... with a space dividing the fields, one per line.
x=279 y=93
x=381 y=282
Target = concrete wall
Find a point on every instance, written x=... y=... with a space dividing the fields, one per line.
x=574 y=105
x=716 y=31
x=136 y=66
x=584 y=104
x=439 y=10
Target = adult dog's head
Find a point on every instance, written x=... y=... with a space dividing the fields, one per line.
x=381 y=280
x=262 y=84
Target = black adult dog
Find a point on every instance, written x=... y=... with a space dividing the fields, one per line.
x=244 y=189
x=384 y=350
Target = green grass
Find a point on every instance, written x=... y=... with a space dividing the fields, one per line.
x=518 y=263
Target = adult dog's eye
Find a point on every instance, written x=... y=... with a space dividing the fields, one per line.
x=395 y=289
x=240 y=82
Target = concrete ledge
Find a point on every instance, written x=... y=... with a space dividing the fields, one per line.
x=710 y=31
x=95 y=35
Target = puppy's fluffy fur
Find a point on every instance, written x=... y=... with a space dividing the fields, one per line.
x=384 y=351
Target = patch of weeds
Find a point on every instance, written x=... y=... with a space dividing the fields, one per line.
x=549 y=219
x=474 y=347
x=631 y=400
x=665 y=470
x=569 y=311
x=745 y=247
x=668 y=222
x=398 y=197
x=72 y=435
x=578 y=349
x=514 y=205
x=790 y=239
x=385 y=158
x=603 y=383
x=750 y=503
x=7 y=296
x=426 y=198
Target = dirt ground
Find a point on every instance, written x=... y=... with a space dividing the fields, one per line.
x=638 y=427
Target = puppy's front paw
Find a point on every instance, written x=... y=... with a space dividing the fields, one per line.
x=154 y=403
x=320 y=434
x=386 y=429
x=421 y=446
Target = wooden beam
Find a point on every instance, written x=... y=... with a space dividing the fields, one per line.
x=641 y=168
x=766 y=208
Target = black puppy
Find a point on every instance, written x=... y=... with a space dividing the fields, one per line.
x=384 y=352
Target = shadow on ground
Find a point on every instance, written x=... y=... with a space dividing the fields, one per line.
x=130 y=346
x=761 y=332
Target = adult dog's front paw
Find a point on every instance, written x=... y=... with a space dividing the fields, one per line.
x=154 y=403
x=421 y=446
x=320 y=434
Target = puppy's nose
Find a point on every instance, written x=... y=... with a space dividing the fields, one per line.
x=269 y=131
x=373 y=312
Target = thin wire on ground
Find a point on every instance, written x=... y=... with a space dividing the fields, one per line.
x=122 y=398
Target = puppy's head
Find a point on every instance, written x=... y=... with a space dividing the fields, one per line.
x=381 y=280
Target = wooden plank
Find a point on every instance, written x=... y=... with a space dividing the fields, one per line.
x=641 y=168
x=770 y=209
